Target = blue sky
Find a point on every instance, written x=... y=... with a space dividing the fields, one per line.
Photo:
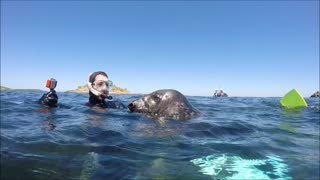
x=247 y=48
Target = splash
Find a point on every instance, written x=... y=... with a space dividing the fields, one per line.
x=234 y=167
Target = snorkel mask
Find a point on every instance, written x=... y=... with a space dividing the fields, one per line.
x=97 y=87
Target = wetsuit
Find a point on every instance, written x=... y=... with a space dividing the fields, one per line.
x=95 y=101
x=49 y=99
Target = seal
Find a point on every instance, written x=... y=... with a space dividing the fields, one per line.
x=164 y=103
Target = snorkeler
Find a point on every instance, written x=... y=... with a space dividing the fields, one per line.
x=50 y=98
x=99 y=86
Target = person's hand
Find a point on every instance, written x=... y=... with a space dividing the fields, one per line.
x=51 y=98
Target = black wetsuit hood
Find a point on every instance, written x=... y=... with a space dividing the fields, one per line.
x=95 y=74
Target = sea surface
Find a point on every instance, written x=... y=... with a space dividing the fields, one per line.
x=236 y=138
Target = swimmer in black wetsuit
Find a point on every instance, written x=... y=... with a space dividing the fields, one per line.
x=99 y=86
x=50 y=98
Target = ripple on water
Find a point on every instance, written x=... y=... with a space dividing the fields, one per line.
x=74 y=141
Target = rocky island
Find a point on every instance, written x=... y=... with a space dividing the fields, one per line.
x=316 y=94
x=4 y=88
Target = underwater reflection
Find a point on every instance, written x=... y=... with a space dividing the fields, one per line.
x=47 y=123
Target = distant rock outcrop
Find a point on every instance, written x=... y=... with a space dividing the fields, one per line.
x=4 y=88
x=115 y=89
x=316 y=94
x=80 y=89
x=119 y=90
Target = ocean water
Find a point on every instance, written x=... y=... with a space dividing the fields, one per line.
x=236 y=138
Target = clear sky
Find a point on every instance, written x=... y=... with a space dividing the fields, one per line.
x=247 y=48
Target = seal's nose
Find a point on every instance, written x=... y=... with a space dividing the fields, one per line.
x=131 y=106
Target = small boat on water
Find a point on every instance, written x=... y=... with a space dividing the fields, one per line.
x=220 y=93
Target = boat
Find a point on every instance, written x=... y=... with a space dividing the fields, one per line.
x=220 y=93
